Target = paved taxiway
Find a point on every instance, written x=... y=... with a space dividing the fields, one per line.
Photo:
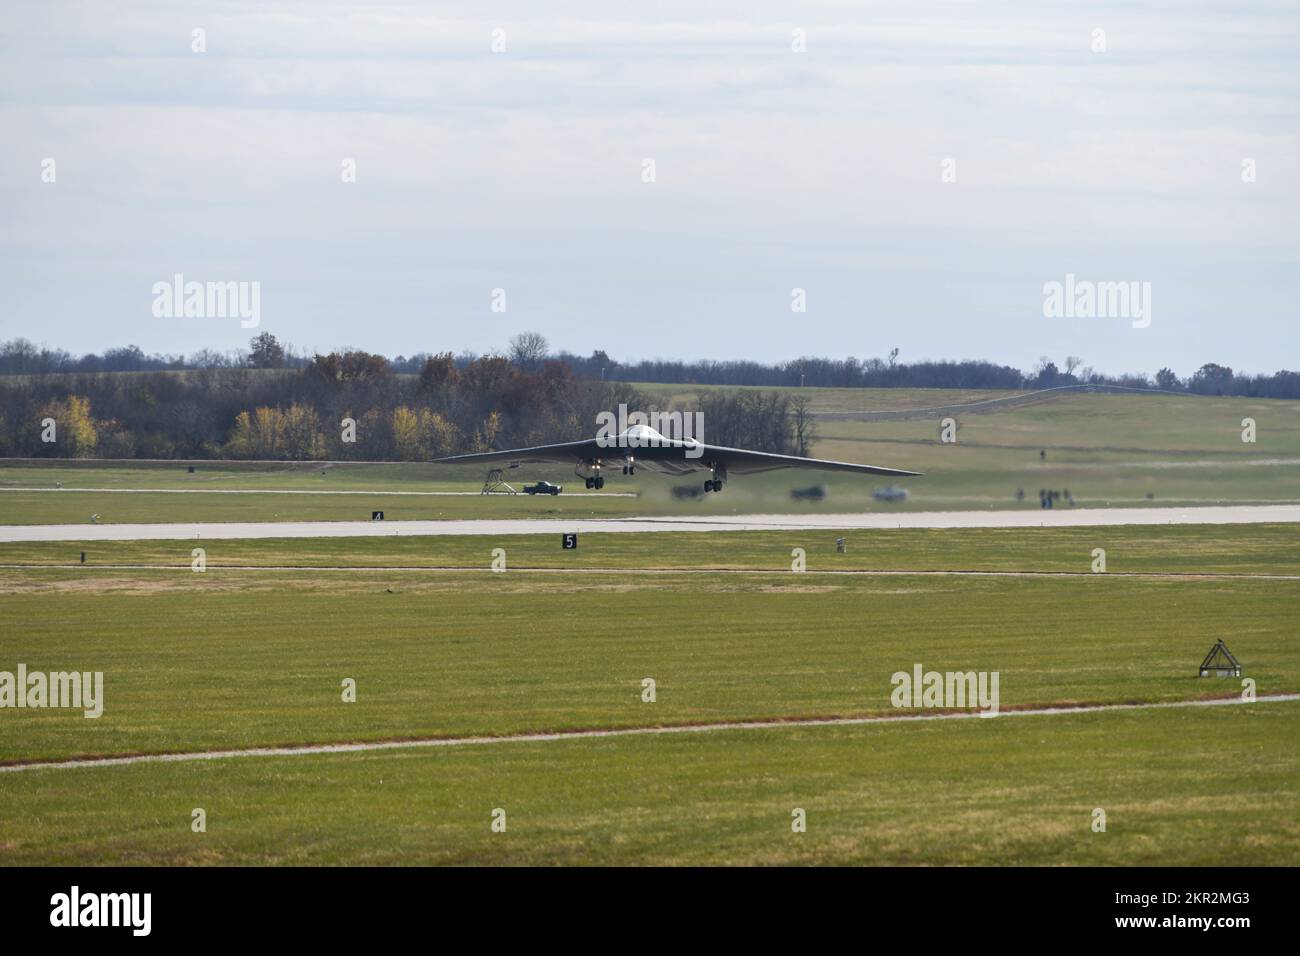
x=1078 y=517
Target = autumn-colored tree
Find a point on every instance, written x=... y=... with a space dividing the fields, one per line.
x=277 y=433
x=75 y=433
x=444 y=437
x=420 y=434
x=485 y=438
x=408 y=442
x=301 y=437
x=242 y=442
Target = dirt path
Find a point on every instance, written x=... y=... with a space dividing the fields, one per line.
x=770 y=724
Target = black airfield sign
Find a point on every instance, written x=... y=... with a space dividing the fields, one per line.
x=376 y=516
x=569 y=541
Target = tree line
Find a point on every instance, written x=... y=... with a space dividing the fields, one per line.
x=529 y=350
x=1209 y=379
x=356 y=405
x=342 y=406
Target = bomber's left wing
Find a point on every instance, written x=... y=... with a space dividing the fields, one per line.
x=569 y=451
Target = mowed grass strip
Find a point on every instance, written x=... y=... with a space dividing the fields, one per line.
x=1018 y=791
x=76 y=507
x=210 y=661
x=1259 y=549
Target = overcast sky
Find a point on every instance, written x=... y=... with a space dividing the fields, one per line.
x=775 y=170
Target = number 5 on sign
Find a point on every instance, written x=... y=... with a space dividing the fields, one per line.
x=569 y=541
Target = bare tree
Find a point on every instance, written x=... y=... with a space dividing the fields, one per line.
x=529 y=349
x=805 y=429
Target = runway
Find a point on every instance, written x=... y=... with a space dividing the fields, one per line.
x=1073 y=518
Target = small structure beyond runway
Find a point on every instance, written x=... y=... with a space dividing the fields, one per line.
x=1081 y=517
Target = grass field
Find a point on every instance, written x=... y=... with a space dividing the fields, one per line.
x=1016 y=791
x=238 y=658
x=1106 y=450
x=454 y=654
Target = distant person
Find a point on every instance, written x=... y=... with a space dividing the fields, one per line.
x=1020 y=494
x=1042 y=455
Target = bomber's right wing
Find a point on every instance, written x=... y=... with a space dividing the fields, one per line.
x=743 y=461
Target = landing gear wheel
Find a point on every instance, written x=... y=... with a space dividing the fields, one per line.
x=600 y=481
x=708 y=486
x=590 y=484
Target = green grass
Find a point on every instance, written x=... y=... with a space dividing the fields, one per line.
x=76 y=507
x=219 y=660
x=829 y=401
x=1011 y=791
x=1218 y=549
x=231 y=659
x=1107 y=450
